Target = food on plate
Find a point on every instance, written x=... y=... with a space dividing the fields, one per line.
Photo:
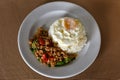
x=69 y=34
x=59 y=45
x=47 y=52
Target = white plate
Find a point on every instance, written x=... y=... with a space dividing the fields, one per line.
x=45 y=15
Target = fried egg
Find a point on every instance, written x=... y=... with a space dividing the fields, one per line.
x=69 y=33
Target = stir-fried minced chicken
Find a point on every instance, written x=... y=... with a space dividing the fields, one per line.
x=48 y=52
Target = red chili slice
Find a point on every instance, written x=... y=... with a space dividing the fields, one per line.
x=41 y=41
x=44 y=58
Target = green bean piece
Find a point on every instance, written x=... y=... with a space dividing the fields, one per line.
x=60 y=63
x=33 y=50
x=38 y=59
x=67 y=60
x=34 y=45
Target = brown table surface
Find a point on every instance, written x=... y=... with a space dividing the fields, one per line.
x=105 y=67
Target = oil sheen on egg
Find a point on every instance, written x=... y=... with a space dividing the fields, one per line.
x=69 y=33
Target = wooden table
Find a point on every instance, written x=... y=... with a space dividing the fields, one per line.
x=105 y=67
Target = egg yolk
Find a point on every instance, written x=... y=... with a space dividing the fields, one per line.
x=70 y=23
